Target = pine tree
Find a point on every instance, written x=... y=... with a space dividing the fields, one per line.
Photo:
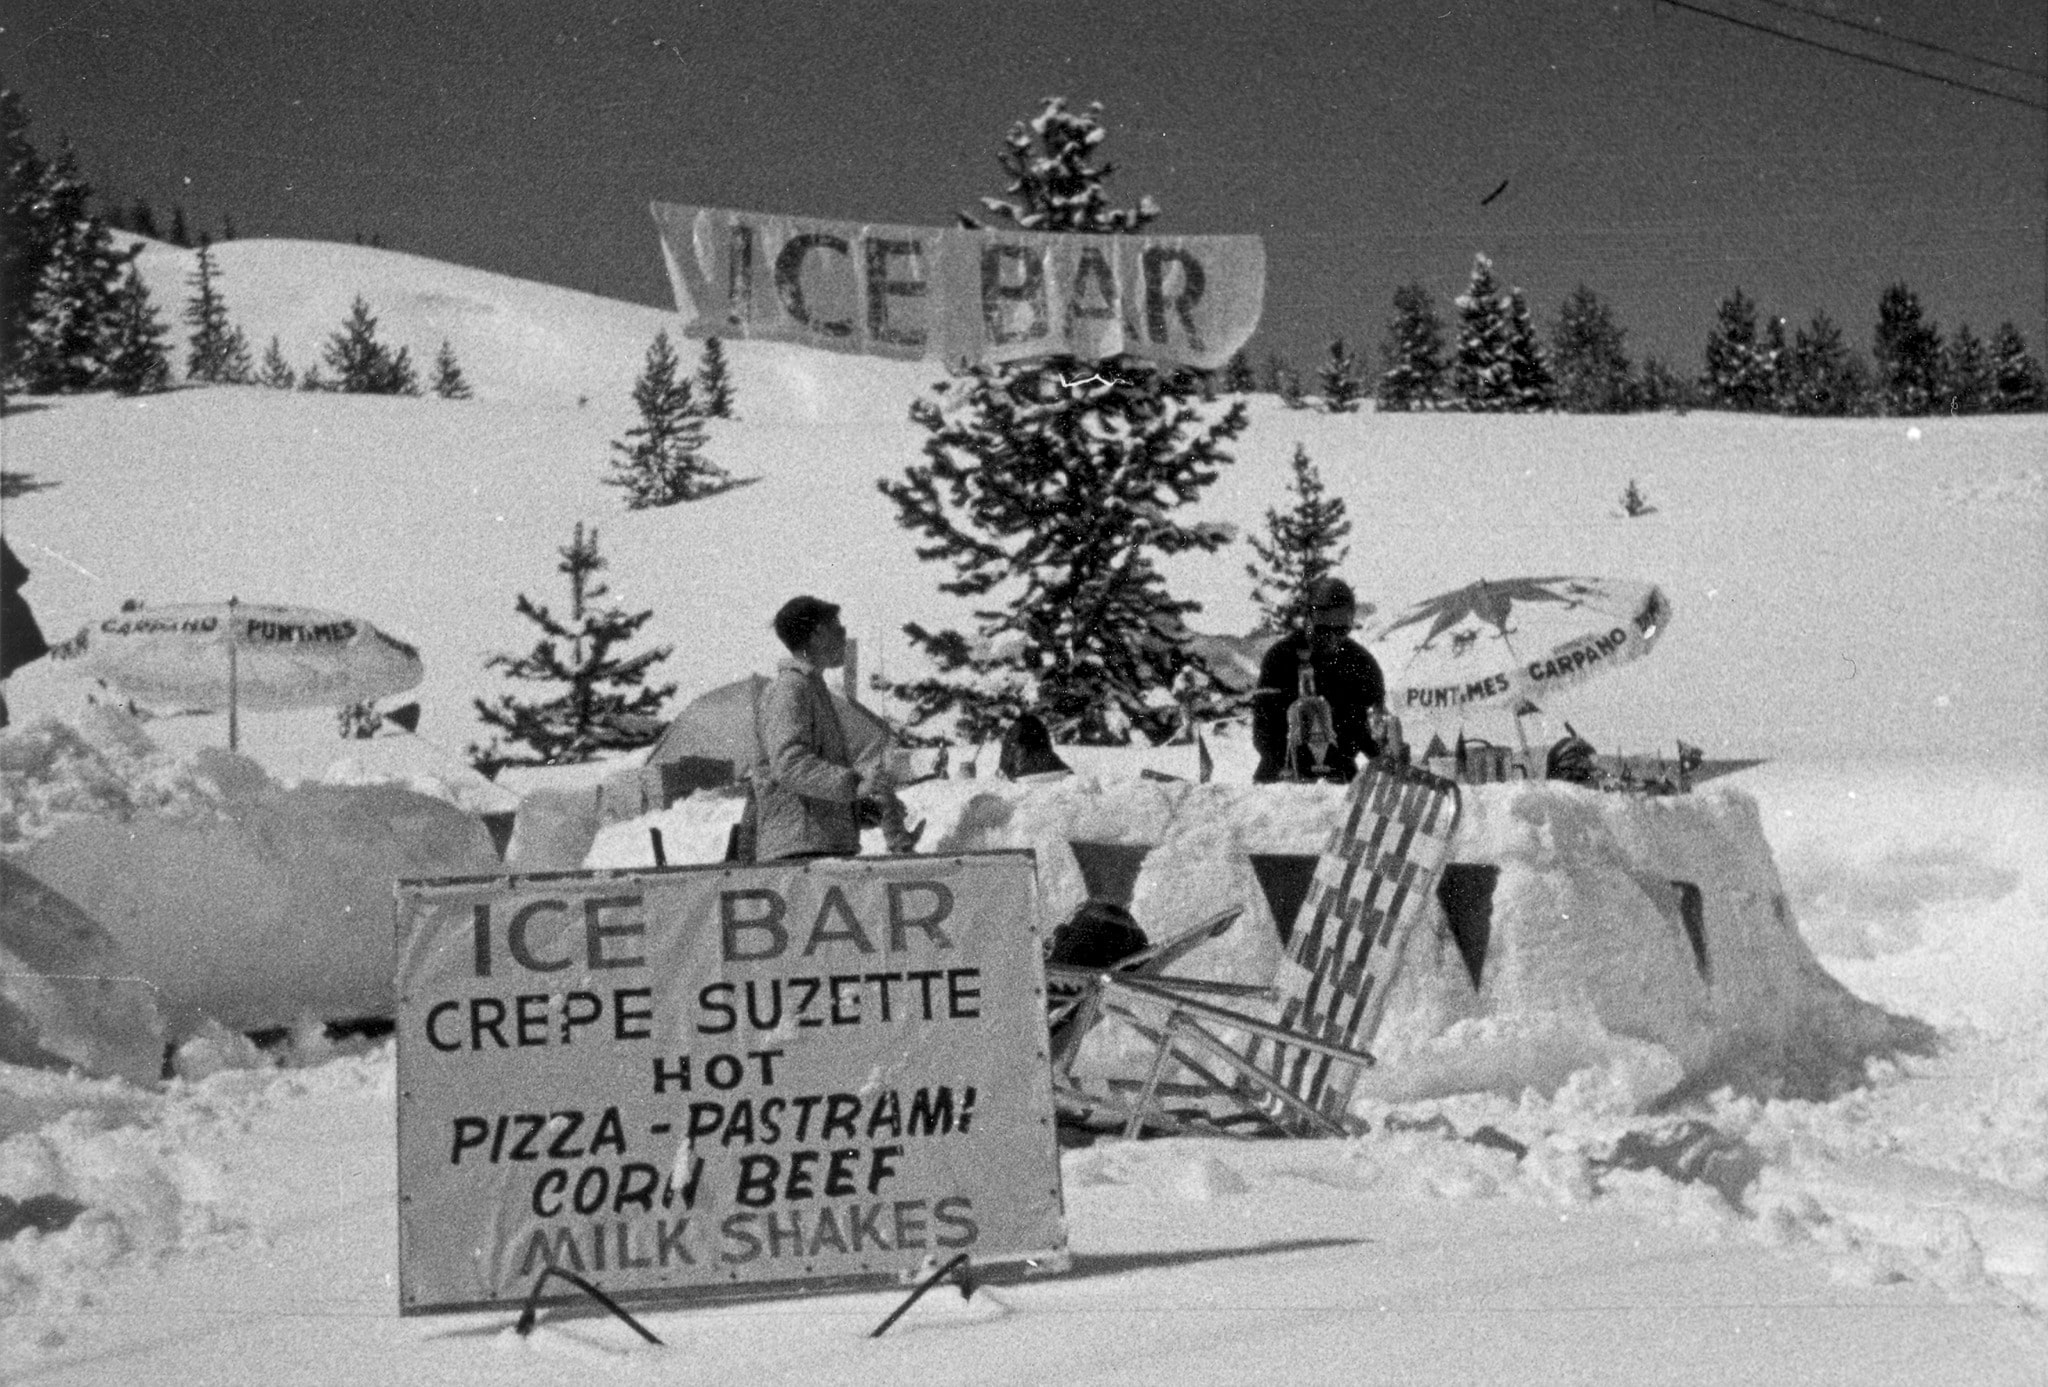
x=1273 y=376
x=74 y=309
x=448 y=381
x=142 y=220
x=1290 y=392
x=1735 y=376
x=136 y=361
x=1413 y=353
x=1592 y=369
x=604 y=703
x=661 y=461
x=30 y=231
x=1052 y=503
x=1774 y=360
x=219 y=354
x=364 y=366
x=181 y=235
x=1967 y=383
x=1238 y=377
x=1819 y=382
x=714 y=381
x=277 y=372
x=2017 y=384
x=1907 y=350
x=1342 y=388
x=1535 y=387
x=1301 y=546
x=1483 y=373
x=1660 y=387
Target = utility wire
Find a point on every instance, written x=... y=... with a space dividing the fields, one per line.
x=1860 y=57
x=1884 y=33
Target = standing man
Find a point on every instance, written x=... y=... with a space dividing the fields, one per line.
x=810 y=796
x=1346 y=677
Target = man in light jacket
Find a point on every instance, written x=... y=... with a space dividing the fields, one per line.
x=809 y=796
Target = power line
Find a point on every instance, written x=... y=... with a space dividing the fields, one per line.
x=1860 y=57
x=1884 y=33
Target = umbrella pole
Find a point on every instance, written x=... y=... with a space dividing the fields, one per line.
x=234 y=679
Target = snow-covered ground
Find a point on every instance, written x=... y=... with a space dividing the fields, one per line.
x=1859 y=601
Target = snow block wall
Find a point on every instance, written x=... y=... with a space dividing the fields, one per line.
x=1644 y=944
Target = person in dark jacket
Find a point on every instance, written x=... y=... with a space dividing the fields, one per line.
x=1346 y=677
x=21 y=640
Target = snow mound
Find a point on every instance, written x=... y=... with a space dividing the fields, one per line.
x=231 y=896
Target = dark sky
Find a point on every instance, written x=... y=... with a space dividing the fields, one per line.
x=1657 y=155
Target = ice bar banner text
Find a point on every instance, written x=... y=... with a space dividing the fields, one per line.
x=957 y=294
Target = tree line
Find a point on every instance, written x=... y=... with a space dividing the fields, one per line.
x=1492 y=360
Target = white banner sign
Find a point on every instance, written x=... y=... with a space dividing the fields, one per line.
x=687 y=1080
x=926 y=293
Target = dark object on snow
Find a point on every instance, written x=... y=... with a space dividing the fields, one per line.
x=21 y=640
x=1100 y=934
x=1027 y=749
x=1571 y=758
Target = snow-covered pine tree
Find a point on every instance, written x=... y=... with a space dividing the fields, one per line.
x=1967 y=384
x=1774 y=358
x=1052 y=503
x=276 y=372
x=1290 y=391
x=1238 y=376
x=136 y=361
x=1586 y=355
x=1907 y=350
x=1413 y=353
x=74 y=310
x=1339 y=378
x=218 y=354
x=661 y=461
x=1734 y=376
x=1819 y=383
x=1273 y=376
x=2017 y=384
x=1483 y=373
x=449 y=383
x=1535 y=386
x=361 y=364
x=714 y=381
x=1302 y=544
x=604 y=703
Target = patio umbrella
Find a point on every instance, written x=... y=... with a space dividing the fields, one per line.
x=243 y=656
x=1507 y=643
x=719 y=726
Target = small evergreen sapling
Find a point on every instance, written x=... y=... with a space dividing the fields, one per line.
x=449 y=383
x=362 y=365
x=714 y=381
x=136 y=361
x=218 y=355
x=1302 y=544
x=604 y=703
x=661 y=460
x=276 y=372
x=1342 y=387
x=2017 y=385
x=1634 y=502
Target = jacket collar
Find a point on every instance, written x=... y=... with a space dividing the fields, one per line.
x=797 y=664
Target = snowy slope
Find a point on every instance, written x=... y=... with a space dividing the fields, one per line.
x=1841 y=588
x=1861 y=604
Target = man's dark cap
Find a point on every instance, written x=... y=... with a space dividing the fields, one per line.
x=1331 y=595
x=799 y=617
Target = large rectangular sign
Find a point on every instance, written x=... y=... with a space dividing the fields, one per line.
x=960 y=294
x=696 y=1079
